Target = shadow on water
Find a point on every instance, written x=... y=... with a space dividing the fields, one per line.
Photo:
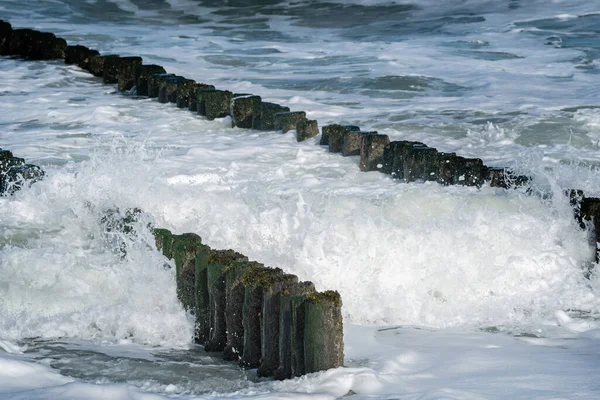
x=191 y=371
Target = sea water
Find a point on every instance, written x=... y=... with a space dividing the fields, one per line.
x=449 y=292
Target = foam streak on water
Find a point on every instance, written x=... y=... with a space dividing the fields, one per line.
x=502 y=82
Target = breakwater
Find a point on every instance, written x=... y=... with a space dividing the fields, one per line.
x=376 y=160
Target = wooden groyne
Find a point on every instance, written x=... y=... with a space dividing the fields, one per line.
x=258 y=316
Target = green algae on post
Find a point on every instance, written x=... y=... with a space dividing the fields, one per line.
x=323 y=313
x=266 y=119
x=271 y=307
x=185 y=247
x=333 y=135
x=284 y=371
x=306 y=129
x=287 y=121
x=371 y=151
x=244 y=110
x=234 y=318
x=255 y=280
x=143 y=74
x=351 y=141
x=219 y=261
x=126 y=75
x=202 y=330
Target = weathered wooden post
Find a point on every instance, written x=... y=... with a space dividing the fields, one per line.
x=323 y=332
x=306 y=129
x=271 y=312
x=167 y=89
x=371 y=151
x=164 y=241
x=456 y=170
x=297 y=327
x=202 y=331
x=219 y=261
x=185 y=247
x=504 y=177
x=154 y=83
x=193 y=95
x=111 y=70
x=244 y=110
x=287 y=121
x=589 y=212
x=301 y=290
x=96 y=64
x=126 y=75
x=333 y=136
x=234 y=318
x=351 y=141
x=183 y=93
x=33 y=45
x=420 y=164
x=6 y=33
x=214 y=103
x=79 y=55
x=266 y=119
x=393 y=157
x=143 y=74
x=255 y=281
x=14 y=173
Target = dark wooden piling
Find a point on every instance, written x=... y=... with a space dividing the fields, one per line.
x=244 y=110
x=214 y=103
x=456 y=170
x=234 y=299
x=184 y=92
x=323 y=313
x=219 y=262
x=588 y=213
x=143 y=74
x=280 y=285
x=504 y=178
x=287 y=121
x=154 y=82
x=167 y=88
x=193 y=96
x=33 y=45
x=297 y=327
x=111 y=70
x=333 y=135
x=126 y=75
x=351 y=141
x=256 y=280
x=96 y=64
x=393 y=157
x=202 y=328
x=185 y=247
x=164 y=241
x=266 y=120
x=306 y=129
x=79 y=55
x=420 y=164
x=302 y=289
x=6 y=33
x=371 y=151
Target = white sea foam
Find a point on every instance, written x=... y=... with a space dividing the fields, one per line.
x=417 y=254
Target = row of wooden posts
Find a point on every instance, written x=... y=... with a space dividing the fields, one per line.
x=405 y=160
x=261 y=316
